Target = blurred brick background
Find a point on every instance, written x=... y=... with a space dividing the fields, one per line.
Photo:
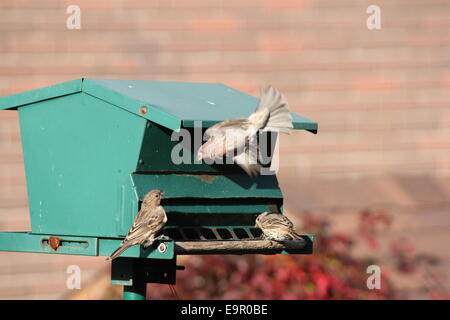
x=381 y=98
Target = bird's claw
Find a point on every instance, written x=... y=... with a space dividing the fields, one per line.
x=162 y=237
x=147 y=244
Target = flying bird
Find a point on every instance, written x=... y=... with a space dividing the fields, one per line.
x=276 y=226
x=148 y=222
x=238 y=137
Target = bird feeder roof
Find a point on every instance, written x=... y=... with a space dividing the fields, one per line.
x=170 y=104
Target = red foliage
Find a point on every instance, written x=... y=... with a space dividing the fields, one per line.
x=370 y=225
x=330 y=273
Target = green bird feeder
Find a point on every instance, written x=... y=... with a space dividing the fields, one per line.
x=92 y=150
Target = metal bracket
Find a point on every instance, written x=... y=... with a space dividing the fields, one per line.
x=129 y=271
x=28 y=242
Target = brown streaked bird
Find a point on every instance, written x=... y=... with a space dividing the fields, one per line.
x=276 y=226
x=237 y=137
x=148 y=222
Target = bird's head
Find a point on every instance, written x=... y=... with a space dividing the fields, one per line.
x=260 y=218
x=153 y=197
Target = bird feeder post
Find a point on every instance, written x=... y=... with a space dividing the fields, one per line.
x=131 y=275
x=124 y=273
x=135 y=292
x=135 y=273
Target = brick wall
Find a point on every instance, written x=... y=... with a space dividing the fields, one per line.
x=381 y=97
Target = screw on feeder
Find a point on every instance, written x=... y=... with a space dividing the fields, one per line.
x=162 y=247
x=143 y=110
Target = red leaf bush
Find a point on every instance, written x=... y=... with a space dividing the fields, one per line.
x=330 y=273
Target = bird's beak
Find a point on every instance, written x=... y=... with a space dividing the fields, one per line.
x=161 y=193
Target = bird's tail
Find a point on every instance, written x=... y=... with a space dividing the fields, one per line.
x=272 y=112
x=118 y=252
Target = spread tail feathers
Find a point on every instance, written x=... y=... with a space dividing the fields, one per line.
x=118 y=252
x=279 y=118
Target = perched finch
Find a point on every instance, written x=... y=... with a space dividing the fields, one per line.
x=238 y=137
x=276 y=226
x=148 y=222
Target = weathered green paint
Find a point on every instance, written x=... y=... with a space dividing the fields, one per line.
x=300 y=122
x=186 y=100
x=94 y=148
x=37 y=95
x=207 y=186
x=121 y=100
x=64 y=190
x=91 y=155
x=170 y=104
x=205 y=206
x=78 y=154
